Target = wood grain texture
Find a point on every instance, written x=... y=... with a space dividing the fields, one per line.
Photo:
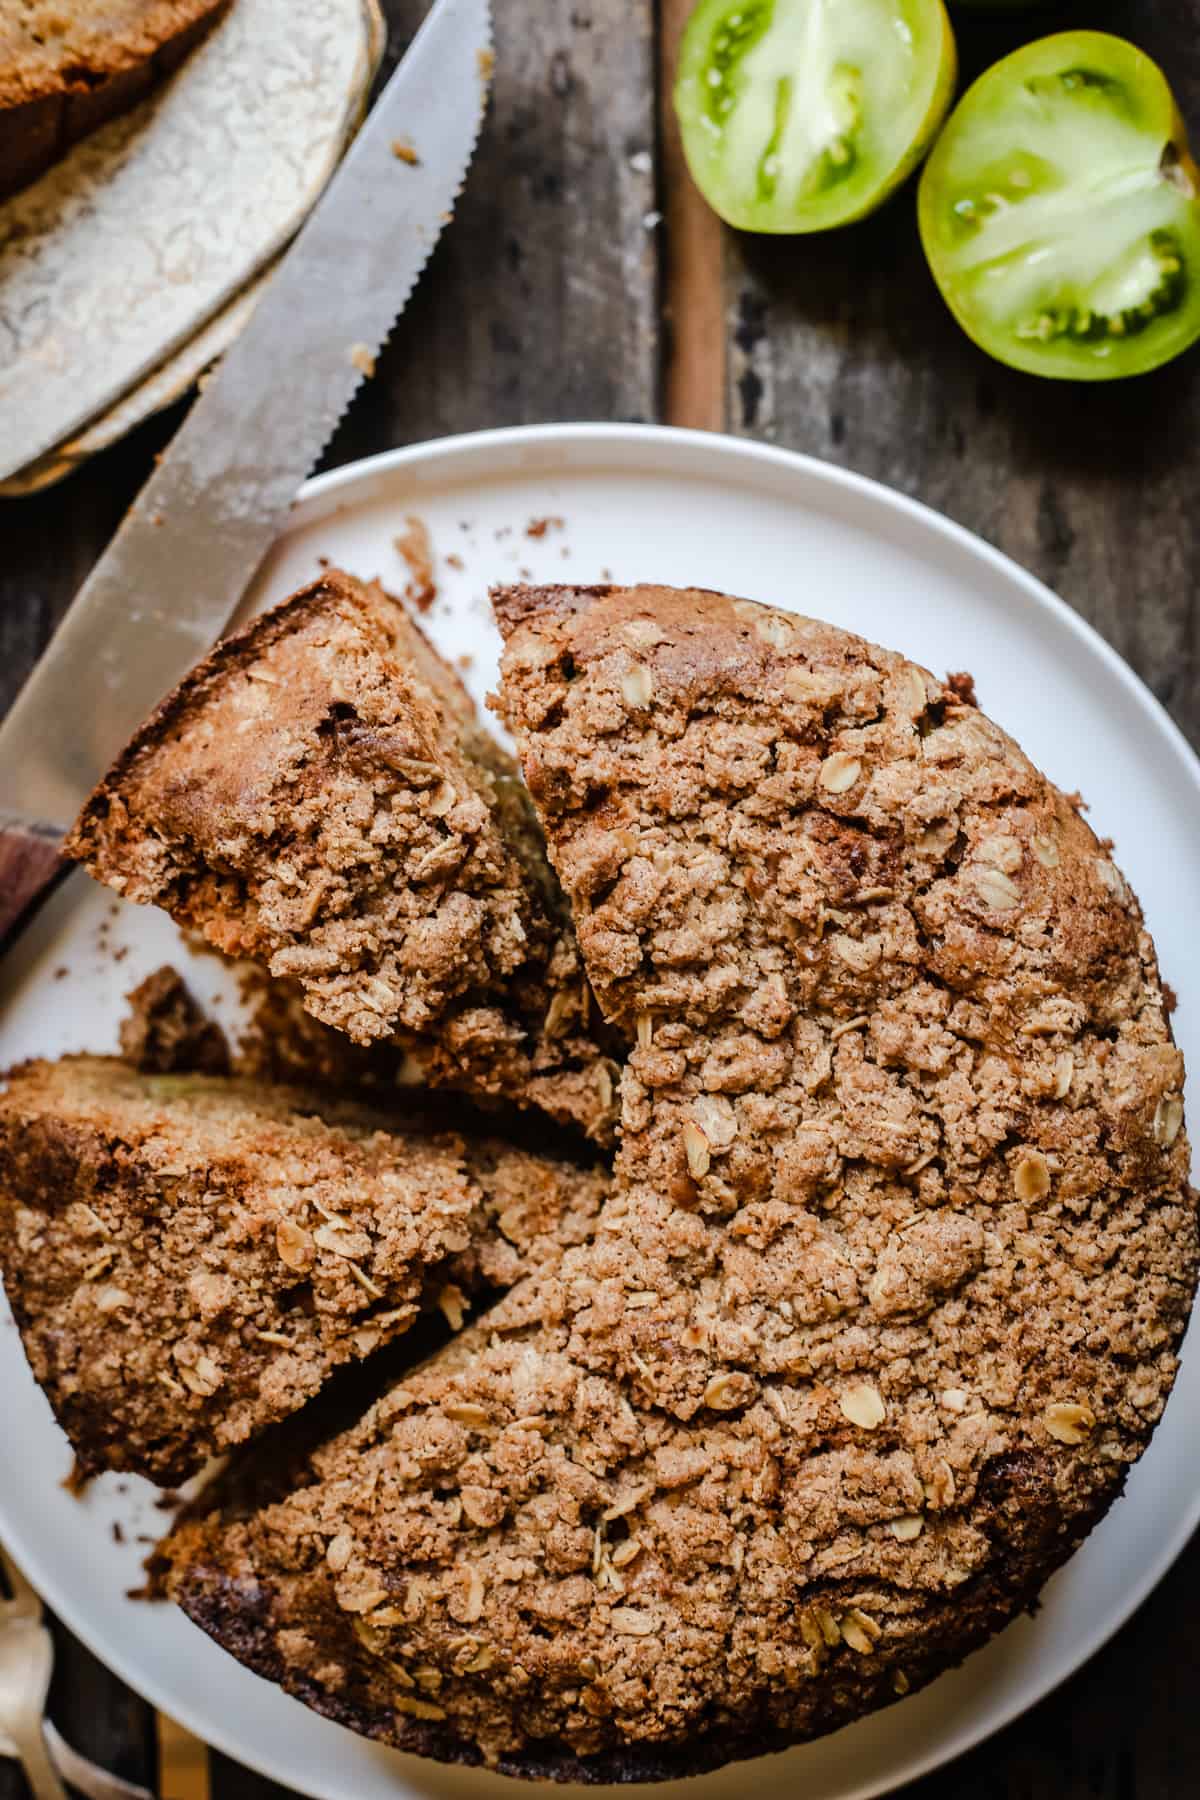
x=183 y=1762
x=694 y=374
x=841 y=346
x=541 y=303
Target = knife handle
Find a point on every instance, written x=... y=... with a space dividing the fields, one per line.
x=31 y=863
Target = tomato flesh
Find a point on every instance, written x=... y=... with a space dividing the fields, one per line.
x=1060 y=214
x=798 y=115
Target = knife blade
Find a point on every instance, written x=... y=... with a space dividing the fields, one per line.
x=183 y=556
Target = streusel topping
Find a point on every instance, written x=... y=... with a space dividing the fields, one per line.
x=888 y=1291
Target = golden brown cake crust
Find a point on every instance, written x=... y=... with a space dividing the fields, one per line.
x=190 y=1257
x=319 y=796
x=67 y=66
x=254 y=1565
x=889 y=1289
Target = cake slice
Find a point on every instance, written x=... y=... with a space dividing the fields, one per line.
x=889 y=1289
x=68 y=66
x=188 y=1258
x=319 y=796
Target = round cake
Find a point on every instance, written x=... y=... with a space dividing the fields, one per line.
x=888 y=1291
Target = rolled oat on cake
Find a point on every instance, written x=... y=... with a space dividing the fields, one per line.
x=189 y=1257
x=888 y=1292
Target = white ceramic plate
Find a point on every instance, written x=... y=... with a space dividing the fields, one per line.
x=643 y=503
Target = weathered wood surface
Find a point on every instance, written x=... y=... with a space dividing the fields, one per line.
x=840 y=345
x=542 y=302
x=552 y=298
x=229 y=1781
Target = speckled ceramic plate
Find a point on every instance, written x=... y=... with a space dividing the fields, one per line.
x=146 y=234
x=666 y=506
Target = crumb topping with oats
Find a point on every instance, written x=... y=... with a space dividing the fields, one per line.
x=189 y=1257
x=888 y=1291
x=319 y=796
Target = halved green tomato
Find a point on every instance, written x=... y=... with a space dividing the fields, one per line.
x=798 y=115
x=1060 y=213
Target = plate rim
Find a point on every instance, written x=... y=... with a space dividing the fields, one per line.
x=702 y=451
x=751 y=450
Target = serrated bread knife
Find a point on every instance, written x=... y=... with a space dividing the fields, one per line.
x=173 y=575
